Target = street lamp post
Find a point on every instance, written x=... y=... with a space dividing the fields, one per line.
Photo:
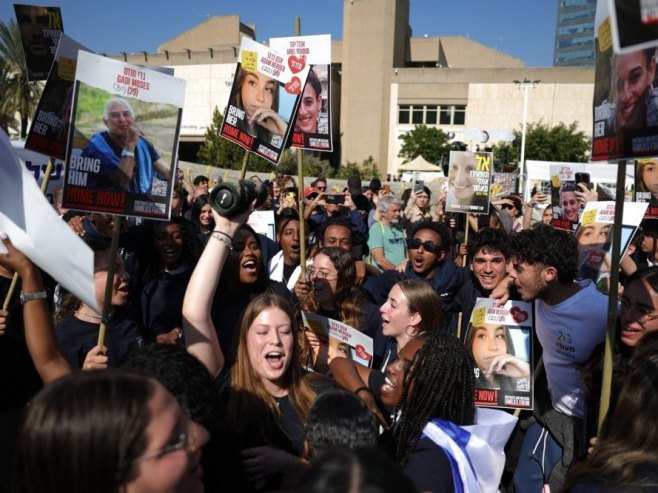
x=525 y=84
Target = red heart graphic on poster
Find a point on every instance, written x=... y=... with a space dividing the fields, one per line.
x=595 y=258
x=362 y=353
x=294 y=86
x=518 y=315
x=296 y=64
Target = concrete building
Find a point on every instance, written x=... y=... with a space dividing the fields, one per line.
x=386 y=81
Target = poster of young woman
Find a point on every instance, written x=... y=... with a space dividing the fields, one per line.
x=122 y=149
x=40 y=29
x=264 y=96
x=646 y=185
x=50 y=126
x=337 y=339
x=500 y=341
x=469 y=178
x=594 y=236
x=312 y=122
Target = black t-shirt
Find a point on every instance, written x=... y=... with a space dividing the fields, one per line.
x=429 y=468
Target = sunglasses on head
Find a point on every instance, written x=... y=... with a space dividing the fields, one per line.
x=429 y=246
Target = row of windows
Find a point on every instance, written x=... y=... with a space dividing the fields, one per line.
x=587 y=27
x=587 y=54
x=571 y=3
x=573 y=42
x=578 y=14
x=431 y=114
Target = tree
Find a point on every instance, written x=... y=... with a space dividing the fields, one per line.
x=429 y=142
x=23 y=94
x=559 y=143
x=217 y=151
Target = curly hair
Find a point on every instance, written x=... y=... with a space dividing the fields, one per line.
x=439 y=384
x=489 y=240
x=339 y=419
x=547 y=246
x=438 y=228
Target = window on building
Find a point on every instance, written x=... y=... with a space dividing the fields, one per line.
x=431 y=114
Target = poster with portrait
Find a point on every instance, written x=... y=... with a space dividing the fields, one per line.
x=40 y=29
x=625 y=97
x=646 y=185
x=263 y=222
x=51 y=123
x=503 y=184
x=565 y=194
x=469 y=178
x=312 y=121
x=634 y=24
x=121 y=153
x=338 y=339
x=264 y=96
x=500 y=341
x=594 y=236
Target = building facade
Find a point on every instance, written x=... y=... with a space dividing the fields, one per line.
x=384 y=81
x=574 y=34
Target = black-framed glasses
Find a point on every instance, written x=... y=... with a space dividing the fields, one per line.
x=642 y=313
x=429 y=246
x=181 y=443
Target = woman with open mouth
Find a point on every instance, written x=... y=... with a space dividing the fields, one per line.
x=267 y=395
x=77 y=323
x=335 y=294
x=412 y=308
x=283 y=266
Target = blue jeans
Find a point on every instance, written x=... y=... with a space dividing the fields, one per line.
x=539 y=454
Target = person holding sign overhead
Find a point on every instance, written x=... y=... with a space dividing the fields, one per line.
x=121 y=158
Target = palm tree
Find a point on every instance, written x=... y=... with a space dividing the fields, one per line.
x=18 y=94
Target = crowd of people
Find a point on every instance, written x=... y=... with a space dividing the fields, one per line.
x=207 y=378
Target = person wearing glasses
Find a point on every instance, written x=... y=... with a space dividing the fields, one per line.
x=111 y=431
x=335 y=294
x=511 y=205
x=570 y=322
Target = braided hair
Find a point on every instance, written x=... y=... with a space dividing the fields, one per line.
x=441 y=374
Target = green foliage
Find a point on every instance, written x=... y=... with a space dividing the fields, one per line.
x=429 y=142
x=560 y=143
x=313 y=164
x=367 y=169
x=219 y=152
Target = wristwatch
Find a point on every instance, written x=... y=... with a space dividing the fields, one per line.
x=127 y=153
x=39 y=295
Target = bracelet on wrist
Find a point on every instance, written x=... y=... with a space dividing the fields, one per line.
x=223 y=238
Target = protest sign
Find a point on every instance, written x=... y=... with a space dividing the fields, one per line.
x=122 y=150
x=634 y=24
x=263 y=222
x=500 y=341
x=469 y=177
x=646 y=185
x=339 y=340
x=503 y=184
x=566 y=206
x=51 y=123
x=35 y=228
x=594 y=236
x=625 y=100
x=312 y=121
x=40 y=29
x=263 y=99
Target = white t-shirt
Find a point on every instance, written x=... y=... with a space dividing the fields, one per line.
x=568 y=332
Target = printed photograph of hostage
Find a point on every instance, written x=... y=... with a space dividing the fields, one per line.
x=646 y=184
x=128 y=161
x=466 y=193
x=256 y=97
x=497 y=366
x=40 y=29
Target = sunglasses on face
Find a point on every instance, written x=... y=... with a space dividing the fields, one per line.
x=429 y=246
x=507 y=206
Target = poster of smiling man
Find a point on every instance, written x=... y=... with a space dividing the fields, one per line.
x=40 y=29
x=312 y=122
x=263 y=99
x=122 y=148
